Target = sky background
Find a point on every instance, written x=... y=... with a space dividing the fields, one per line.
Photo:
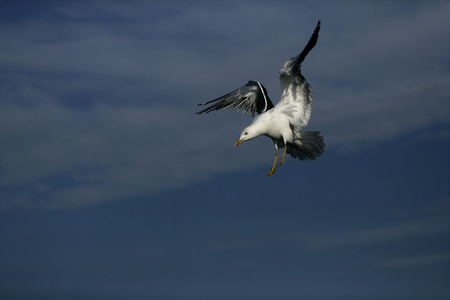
x=112 y=188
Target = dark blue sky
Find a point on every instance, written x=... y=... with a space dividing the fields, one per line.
x=112 y=188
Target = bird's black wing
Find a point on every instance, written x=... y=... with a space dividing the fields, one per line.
x=290 y=72
x=250 y=97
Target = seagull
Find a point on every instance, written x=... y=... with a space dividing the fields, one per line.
x=284 y=121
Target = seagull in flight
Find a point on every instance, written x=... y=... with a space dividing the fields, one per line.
x=284 y=121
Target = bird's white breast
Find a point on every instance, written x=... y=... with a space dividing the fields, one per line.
x=274 y=125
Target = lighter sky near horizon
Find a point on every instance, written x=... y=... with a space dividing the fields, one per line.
x=112 y=188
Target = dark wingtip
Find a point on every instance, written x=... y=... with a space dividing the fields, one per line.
x=311 y=43
x=316 y=31
x=202 y=111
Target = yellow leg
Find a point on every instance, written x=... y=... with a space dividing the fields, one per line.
x=282 y=158
x=273 y=166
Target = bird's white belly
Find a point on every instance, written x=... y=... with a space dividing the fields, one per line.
x=278 y=129
x=274 y=134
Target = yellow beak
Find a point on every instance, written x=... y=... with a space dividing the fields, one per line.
x=238 y=142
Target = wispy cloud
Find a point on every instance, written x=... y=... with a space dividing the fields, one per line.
x=429 y=222
x=367 y=237
x=413 y=261
x=98 y=102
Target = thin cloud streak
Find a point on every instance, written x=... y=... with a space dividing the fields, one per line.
x=331 y=242
x=413 y=261
x=307 y=242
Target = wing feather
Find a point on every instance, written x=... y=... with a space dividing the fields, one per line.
x=296 y=97
x=292 y=66
x=250 y=97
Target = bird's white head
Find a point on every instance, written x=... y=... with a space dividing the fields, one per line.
x=247 y=134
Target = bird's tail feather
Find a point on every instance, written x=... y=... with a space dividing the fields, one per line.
x=307 y=145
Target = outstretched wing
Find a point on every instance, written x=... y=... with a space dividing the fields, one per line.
x=296 y=97
x=251 y=97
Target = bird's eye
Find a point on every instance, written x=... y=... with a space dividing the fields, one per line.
x=245 y=133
